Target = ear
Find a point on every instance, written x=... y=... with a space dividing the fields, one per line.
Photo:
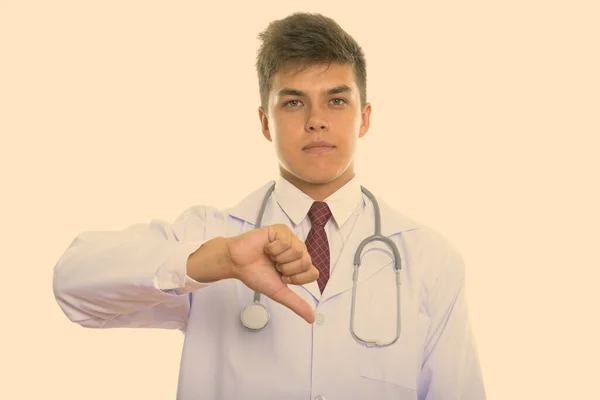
x=264 y=123
x=365 y=120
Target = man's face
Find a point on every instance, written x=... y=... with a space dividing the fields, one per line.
x=314 y=120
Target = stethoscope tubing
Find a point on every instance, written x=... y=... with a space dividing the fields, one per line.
x=255 y=316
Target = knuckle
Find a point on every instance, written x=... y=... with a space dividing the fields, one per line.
x=299 y=266
x=281 y=230
x=306 y=262
x=287 y=240
x=297 y=252
x=309 y=260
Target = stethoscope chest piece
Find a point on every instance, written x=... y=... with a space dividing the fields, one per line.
x=255 y=316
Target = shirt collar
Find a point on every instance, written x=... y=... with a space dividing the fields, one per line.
x=296 y=203
x=392 y=222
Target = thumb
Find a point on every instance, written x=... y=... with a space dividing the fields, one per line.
x=297 y=304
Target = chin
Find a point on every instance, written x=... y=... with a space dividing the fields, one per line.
x=314 y=176
x=319 y=178
x=317 y=181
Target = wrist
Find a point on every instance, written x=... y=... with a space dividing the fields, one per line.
x=211 y=262
x=226 y=265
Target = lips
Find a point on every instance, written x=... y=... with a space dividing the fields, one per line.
x=318 y=145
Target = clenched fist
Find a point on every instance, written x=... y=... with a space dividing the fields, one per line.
x=268 y=258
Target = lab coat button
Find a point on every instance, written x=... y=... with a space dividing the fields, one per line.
x=320 y=397
x=320 y=319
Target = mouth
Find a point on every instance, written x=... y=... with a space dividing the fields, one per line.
x=318 y=147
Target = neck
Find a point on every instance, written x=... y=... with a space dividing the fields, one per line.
x=318 y=191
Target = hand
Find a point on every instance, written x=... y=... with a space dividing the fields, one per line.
x=268 y=258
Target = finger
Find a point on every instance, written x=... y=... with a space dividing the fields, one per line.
x=276 y=248
x=281 y=240
x=302 y=278
x=291 y=300
x=295 y=267
x=295 y=252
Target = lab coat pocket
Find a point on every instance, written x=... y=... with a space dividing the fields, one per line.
x=398 y=364
x=396 y=368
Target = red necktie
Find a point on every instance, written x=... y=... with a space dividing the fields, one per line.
x=316 y=241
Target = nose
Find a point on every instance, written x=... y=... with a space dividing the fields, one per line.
x=316 y=124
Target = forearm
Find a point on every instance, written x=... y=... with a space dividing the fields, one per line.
x=104 y=275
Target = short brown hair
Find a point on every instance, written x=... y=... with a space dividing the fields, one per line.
x=305 y=39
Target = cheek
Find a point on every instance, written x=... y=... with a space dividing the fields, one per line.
x=357 y=124
x=348 y=121
x=287 y=132
x=351 y=132
x=283 y=145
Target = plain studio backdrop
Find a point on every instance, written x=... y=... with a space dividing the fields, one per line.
x=485 y=127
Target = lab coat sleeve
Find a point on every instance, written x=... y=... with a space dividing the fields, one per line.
x=135 y=277
x=451 y=368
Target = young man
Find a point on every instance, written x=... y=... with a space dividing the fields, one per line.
x=200 y=273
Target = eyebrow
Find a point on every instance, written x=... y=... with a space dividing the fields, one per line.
x=296 y=92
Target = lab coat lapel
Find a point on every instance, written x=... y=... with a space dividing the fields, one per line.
x=340 y=278
x=375 y=255
x=247 y=209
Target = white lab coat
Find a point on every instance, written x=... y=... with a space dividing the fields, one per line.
x=435 y=357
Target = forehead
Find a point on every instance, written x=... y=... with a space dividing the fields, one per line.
x=313 y=77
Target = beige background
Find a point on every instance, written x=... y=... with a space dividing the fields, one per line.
x=486 y=117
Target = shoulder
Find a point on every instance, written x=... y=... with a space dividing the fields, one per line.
x=217 y=221
x=206 y=220
x=197 y=213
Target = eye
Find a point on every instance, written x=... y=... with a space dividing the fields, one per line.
x=291 y=103
x=338 y=101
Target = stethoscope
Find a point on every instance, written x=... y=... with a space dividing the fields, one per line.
x=255 y=316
